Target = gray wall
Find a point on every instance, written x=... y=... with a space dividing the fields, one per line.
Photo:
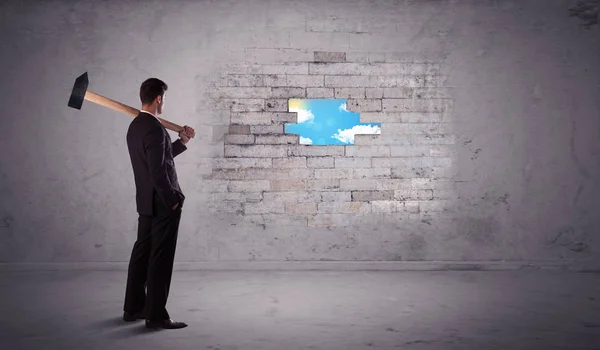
x=497 y=159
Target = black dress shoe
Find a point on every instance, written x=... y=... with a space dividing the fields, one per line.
x=166 y=324
x=129 y=317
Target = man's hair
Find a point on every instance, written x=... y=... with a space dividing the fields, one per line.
x=150 y=89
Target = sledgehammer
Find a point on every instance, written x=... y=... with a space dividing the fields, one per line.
x=80 y=93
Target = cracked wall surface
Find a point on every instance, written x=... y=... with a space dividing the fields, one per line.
x=488 y=148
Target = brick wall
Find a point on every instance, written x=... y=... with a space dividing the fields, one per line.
x=404 y=171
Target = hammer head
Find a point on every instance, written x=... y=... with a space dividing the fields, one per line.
x=79 y=90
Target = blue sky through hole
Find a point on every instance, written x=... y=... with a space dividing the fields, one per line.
x=327 y=122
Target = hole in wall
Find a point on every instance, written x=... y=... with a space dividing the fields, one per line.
x=323 y=122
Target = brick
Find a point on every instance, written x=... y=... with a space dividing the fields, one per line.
x=323 y=56
x=410 y=105
x=409 y=151
x=248 y=186
x=385 y=206
x=416 y=128
x=364 y=105
x=320 y=162
x=267 y=129
x=263 y=118
x=260 y=173
x=413 y=194
x=432 y=92
x=371 y=173
x=410 y=172
x=234 y=163
x=398 y=92
x=393 y=162
x=336 y=196
x=236 y=197
x=305 y=150
x=374 y=184
x=367 y=196
x=323 y=184
x=373 y=69
x=412 y=207
x=301 y=208
x=288 y=185
x=343 y=207
x=293 y=197
x=233 y=139
x=362 y=162
x=428 y=183
x=256 y=151
x=239 y=129
x=374 y=92
x=319 y=92
x=411 y=81
x=434 y=81
x=240 y=92
x=439 y=193
x=358 y=93
x=287 y=68
x=367 y=151
x=403 y=117
x=333 y=173
x=288 y=92
x=240 y=105
x=357 y=56
x=289 y=139
x=358 y=81
x=272 y=80
x=242 y=80
x=380 y=140
x=305 y=81
x=241 y=68
x=276 y=105
x=263 y=208
x=289 y=162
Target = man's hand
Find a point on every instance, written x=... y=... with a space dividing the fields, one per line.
x=186 y=134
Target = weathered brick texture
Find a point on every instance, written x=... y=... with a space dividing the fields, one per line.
x=267 y=177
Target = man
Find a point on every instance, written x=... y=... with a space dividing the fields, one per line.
x=159 y=201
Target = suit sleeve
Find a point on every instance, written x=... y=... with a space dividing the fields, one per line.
x=154 y=146
x=178 y=147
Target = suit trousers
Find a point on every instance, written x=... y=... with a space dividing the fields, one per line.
x=151 y=263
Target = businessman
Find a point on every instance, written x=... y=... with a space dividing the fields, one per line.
x=159 y=201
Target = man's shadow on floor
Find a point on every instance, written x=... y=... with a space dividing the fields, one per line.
x=123 y=329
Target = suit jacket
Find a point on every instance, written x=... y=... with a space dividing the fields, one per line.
x=152 y=153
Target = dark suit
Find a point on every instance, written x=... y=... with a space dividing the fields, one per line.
x=157 y=191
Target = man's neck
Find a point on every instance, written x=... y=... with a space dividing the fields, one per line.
x=153 y=111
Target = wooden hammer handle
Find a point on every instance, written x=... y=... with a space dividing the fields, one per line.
x=119 y=107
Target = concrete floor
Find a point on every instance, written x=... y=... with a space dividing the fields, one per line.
x=287 y=310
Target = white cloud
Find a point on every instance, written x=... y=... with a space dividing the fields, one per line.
x=304 y=115
x=342 y=107
x=305 y=141
x=347 y=135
